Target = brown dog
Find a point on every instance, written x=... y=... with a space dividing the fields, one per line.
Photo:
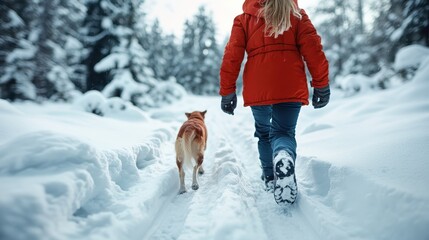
x=190 y=144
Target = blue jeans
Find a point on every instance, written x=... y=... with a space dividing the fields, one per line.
x=275 y=128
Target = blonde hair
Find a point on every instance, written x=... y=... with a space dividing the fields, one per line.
x=277 y=16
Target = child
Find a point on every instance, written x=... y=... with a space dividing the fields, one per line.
x=277 y=37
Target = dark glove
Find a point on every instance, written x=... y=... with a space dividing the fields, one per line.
x=321 y=97
x=229 y=103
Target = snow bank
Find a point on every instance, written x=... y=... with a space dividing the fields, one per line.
x=167 y=92
x=145 y=96
x=55 y=179
x=353 y=83
x=95 y=102
x=407 y=60
x=368 y=176
x=6 y=107
x=65 y=186
x=422 y=74
x=124 y=86
x=362 y=207
x=410 y=57
x=387 y=78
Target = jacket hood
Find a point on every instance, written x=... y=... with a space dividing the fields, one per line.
x=252 y=6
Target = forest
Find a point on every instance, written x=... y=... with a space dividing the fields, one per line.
x=56 y=50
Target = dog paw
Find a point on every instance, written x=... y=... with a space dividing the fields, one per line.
x=195 y=186
x=182 y=191
x=201 y=171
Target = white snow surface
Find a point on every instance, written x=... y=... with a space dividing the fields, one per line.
x=410 y=56
x=353 y=83
x=112 y=61
x=361 y=170
x=115 y=107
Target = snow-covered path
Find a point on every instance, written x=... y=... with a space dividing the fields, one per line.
x=231 y=200
x=335 y=201
x=361 y=172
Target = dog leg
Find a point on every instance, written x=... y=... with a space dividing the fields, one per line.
x=197 y=168
x=182 y=182
x=195 y=185
x=181 y=177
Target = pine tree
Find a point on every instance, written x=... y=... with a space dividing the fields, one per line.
x=119 y=47
x=415 y=25
x=360 y=13
x=155 y=51
x=345 y=40
x=73 y=42
x=36 y=64
x=163 y=53
x=98 y=42
x=388 y=19
x=170 y=54
x=56 y=22
x=16 y=51
x=188 y=68
x=127 y=63
x=336 y=33
x=201 y=56
x=360 y=58
x=399 y=24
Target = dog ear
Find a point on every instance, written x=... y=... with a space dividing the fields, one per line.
x=204 y=113
x=188 y=115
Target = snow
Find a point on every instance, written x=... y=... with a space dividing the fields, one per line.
x=95 y=102
x=398 y=33
x=407 y=58
x=107 y=23
x=27 y=52
x=353 y=83
x=112 y=61
x=372 y=162
x=410 y=56
x=7 y=107
x=15 y=20
x=361 y=171
x=73 y=44
x=149 y=94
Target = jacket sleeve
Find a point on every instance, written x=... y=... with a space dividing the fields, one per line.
x=310 y=46
x=232 y=58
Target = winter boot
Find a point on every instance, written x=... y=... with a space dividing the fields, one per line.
x=269 y=183
x=285 y=188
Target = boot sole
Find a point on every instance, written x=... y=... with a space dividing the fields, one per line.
x=285 y=188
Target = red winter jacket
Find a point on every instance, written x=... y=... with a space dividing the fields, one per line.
x=274 y=71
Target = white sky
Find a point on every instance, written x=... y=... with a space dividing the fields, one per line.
x=172 y=14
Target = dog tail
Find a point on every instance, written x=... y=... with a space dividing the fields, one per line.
x=187 y=142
